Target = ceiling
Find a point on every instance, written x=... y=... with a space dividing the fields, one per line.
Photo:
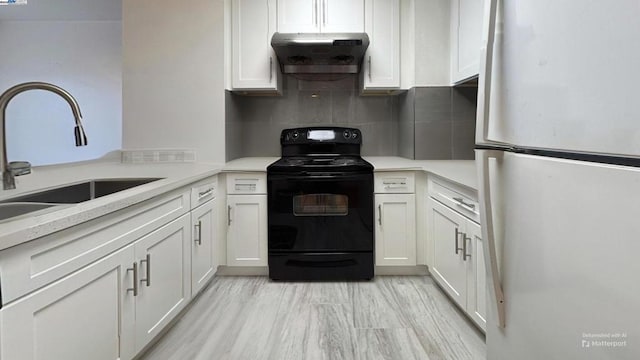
x=63 y=10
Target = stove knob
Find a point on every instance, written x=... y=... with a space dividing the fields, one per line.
x=295 y=135
x=346 y=134
x=354 y=135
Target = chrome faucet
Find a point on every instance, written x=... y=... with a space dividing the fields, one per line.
x=8 y=177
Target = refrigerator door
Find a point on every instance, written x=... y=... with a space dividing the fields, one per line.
x=567 y=237
x=563 y=75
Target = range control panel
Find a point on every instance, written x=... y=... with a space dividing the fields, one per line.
x=316 y=135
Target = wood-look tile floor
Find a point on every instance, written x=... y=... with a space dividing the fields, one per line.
x=390 y=317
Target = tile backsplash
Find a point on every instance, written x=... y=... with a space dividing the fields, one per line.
x=422 y=123
x=445 y=119
x=254 y=123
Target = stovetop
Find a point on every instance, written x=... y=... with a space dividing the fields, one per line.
x=310 y=163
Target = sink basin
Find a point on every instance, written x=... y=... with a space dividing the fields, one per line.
x=9 y=210
x=80 y=192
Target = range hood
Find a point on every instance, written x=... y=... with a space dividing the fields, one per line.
x=324 y=53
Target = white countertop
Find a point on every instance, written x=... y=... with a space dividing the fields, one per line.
x=462 y=172
x=249 y=164
x=33 y=225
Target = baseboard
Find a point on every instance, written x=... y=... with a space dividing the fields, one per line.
x=264 y=271
x=402 y=270
x=224 y=270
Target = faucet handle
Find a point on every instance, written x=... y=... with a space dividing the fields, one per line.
x=19 y=168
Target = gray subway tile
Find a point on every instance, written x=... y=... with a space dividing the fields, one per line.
x=463 y=138
x=433 y=141
x=432 y=100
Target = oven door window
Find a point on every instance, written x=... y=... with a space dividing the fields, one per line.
x=320 y=205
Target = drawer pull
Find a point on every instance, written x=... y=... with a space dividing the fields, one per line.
x=205 y=193
x=460 y=202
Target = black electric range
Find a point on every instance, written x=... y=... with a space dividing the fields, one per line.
x=320 y=207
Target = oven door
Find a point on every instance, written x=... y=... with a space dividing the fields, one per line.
x=320 y=212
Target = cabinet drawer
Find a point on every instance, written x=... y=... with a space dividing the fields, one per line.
x=247 y=183
x=204 y=191
x=456 y=198
x=394 y=182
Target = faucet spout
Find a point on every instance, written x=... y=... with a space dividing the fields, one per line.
x=8 y=179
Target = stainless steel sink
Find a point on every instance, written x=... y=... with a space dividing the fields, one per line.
x=69 y=194
x=81 y=192
x=9 y=210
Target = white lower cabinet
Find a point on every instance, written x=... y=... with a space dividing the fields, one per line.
x=247 y=230
x=395 y=229
x=89 y=314
x=458 y=261
x=110 y=309
x=395 y=218
x=164 y=286
x=203 y=263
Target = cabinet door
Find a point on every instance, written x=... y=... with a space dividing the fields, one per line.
x=204 y=225
x=247 y=230
x=342 y=16
x=299 y=16
x=476 y=275
x=164 y=265
x=448 y=268
x=395 y=229
x=86 y=315
x=314 y=16
x=382 y=60
x=254 y=65
x=466 y=29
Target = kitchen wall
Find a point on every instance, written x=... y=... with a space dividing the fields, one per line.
x=173 y=72
x=78 y=46
x=445 y=122
x=254 y=123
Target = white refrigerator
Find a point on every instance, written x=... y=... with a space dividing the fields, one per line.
x=558 y=156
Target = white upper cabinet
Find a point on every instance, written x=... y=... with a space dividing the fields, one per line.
x=314 y=16
x=254 y=65
x=466 y=28
x=381 y=66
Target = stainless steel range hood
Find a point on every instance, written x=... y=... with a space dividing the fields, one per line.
x=326 y=53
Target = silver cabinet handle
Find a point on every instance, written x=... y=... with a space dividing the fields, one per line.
x=147 y=260
x=462 y=203
x=229 y=215
x=380 y=214
x=370 y=68
x=198 y=228
x=135 y=279
x=205 y=193
x=464 y=247
x=270 y=68
x=315 y=16
x=324 y=13
x=458 y=233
